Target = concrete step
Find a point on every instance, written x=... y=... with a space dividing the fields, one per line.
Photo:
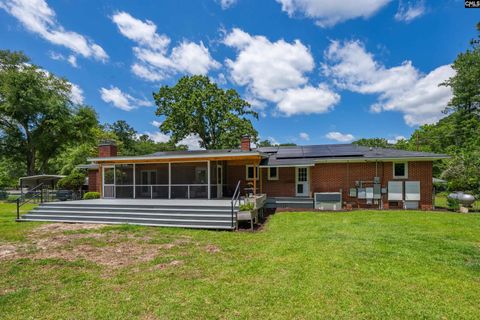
x=105 y=213
x=134 y=209
x=129 y=220
x=146 y=205
x=142 y=223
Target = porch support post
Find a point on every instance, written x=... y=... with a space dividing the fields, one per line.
x=261 y=178
x=254 y=179
x=100 y=178
x=169 y=180
x=208 y=179
x=134 y=182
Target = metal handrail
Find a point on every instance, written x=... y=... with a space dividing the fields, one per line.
x=235 y=199
x=25 y=200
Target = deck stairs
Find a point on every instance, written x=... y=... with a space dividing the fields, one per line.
x=186 y=214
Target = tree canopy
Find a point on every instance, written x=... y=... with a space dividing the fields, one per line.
x=196 y=106
x=37 y=117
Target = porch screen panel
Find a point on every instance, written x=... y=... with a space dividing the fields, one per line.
x=151 y=181
x=189 y=180
x=124 y=181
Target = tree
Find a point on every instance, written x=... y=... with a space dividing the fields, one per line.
x=264 y=143
x=372 y=142
x=197 y=106
x=465 y=82
x=125 y=133
x=37 y=117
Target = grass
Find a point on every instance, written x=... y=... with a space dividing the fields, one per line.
x=361 y=264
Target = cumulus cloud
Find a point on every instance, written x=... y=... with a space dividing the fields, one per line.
x=156 y=123
x=410 y=11
x=277 y=72
x=71 y=59
x=37 y=17
x=192 y=141
x=121 y=100
x=308 y=100
x=402 y=88
x=154 y=62
x=340 y=137
x=396 y=139
x=327 y=13
x=76 y=94
x=304 y=136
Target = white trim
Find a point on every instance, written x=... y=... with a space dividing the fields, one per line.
x=269 y=176
x=246 y=172
x=208 y=180
x=183 y=156
x=406 y=169
x=347 y=160
x=306 y=184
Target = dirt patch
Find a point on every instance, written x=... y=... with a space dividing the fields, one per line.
x=110 y=249
x=212 y=249
x=174 y=263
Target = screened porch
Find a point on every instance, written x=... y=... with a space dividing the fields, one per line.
x=186 y=180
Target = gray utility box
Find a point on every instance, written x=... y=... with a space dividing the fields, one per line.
x=328 y=200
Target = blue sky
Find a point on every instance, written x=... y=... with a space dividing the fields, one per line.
x=317 y=71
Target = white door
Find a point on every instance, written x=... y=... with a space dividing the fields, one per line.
x=108 y=176
x=219 y=181
x=301 y=181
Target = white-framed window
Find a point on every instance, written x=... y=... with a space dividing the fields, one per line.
x=273 y=173
x=400 y=170
x=249 y=172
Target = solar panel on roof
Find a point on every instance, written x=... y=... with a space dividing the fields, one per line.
x=284 y=153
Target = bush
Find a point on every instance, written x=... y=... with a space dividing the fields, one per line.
x=91 y=195
x=453 y=204
x=246 y=207
x=74 y=181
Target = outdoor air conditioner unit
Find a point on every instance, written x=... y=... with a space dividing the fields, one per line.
x=328 y=200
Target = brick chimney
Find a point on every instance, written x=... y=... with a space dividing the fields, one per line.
x=107 y=148
x=245 y=145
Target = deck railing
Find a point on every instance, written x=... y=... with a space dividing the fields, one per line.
x=29 y=196
x=157 y=191
x=235 y=201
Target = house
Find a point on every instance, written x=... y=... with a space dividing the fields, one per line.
x=293 y=176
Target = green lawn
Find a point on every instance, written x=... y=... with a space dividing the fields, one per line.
x=361 y=264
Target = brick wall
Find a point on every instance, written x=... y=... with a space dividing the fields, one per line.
x=107 y=150
x=283 y=187
x=335 y=176
x=93 y=181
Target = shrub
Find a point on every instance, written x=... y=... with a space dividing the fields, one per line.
x=453 y=204
x=247 y=207
x=91 y=195
x=74 y=181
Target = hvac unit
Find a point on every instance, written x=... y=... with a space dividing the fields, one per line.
x=395 y=190
x=412 y=194
x=328 y=200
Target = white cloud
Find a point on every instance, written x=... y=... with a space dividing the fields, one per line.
x=153 y=60
x=76 y=94
x=276 y=72
x=71 y=59
x=340 y=137
x=410 y=11
x=308 y=100
x=155 y=123
x=39 y=18
x=265 y=67
x=396 y=139
x=192 y=141
x=122 y=100
x=327 y=13
x=157 y=136
x=304 y=136
x=402 y=88
x=227 y=3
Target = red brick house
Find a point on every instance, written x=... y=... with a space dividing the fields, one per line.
x=298 y=176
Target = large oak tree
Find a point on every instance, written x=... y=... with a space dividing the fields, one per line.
x=197 y=106
x=37 y=117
